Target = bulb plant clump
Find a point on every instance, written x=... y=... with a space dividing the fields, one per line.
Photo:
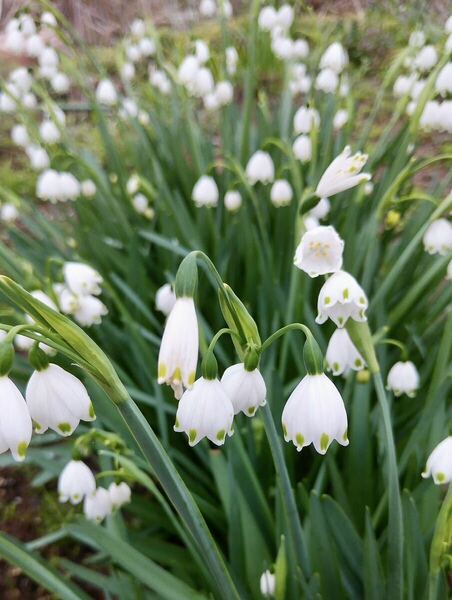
x=225 y=293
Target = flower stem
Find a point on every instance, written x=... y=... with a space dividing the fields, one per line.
x=439 y=544
x=395 y=524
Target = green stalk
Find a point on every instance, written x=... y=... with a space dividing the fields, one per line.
x=180 y=497
x=440 y=543
x=395 y=525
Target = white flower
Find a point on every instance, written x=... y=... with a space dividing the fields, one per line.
x=284 y=16
x=268 y=18
x=140 y=203
x=160 y=80
x=341 y=298
x=431 y=116
x=439 y=463
x=342 y=174
x=340 y=119
x=310 y=222
x=29 y=101
x=205 y=192
x=48 y=19
x=178 y=354
x=232 y=200
x=49 y=58
x=319 y=251
x=187 y=70
x=27 y=24
x=88 y=310
x=15 y=42
x=97 y=506
x=246 y=389
x=207 y=8
x=15 y=421
x=443 y=83
x=106 y=93
x=232 y=58
x=403 y=378
x=147 y=47
x=21 y=80
x=426 y=59
x=48 y=186
x=69 y=187
x=281 y=193
x=75 y=482
x=120 y=493
x=445 y=116
x=341 y=354
x=82 y=279
x=403 y=85
x=19 y=135
x=438 y=237
x=128 y=71
x=202 y=51
x=211 y=102
x=138 y=28
x=34 y=46
x=368 y=188
x=449 y=271
x=300 y=49
x=133 y=52
x=305 y=120
x=202 y=84
x=417 y=39
x=88 y=188
x=267 y=584
x=8 y=213
x=224 y=92
x=302 y=148
x=448 y=26
x=60 y=83
x=260 y=167
x=39 y=159
x=165 y=299
x=315 y=413
x=321 y=209
x=282 y=47
x=335 y=58
x=57 y=400
x=327 y=81
x=49 y=132
x=205 y=411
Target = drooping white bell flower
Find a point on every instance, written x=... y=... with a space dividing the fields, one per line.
x=403 y=85
x=335 y=58
x=120 y=494
x=88 y=188
x=321 y=209
x=29 y=101
x=128 y=71
x=21 y=80
x=302 y=148
x=165 y=299
x=48 y=186
x=342 y=355
x=106 y=93
x=300 y=49
x=439 y=463
x=49 y=58
x=267 y=584
x=202 y=83
x=133 y=53
x=39 y=159
x=81 y=279
x=205 y=192
x=60 y=83
x=69 y=187
x=224 y=93
x=281 y=193
x=246 y=389
x=232 y=59
x=202 y=51
x=342 y=174
x=285 y=16
x=187 y=70
x=416 y=39
x=305 y=119
x=282 y=47
x=178 y=354
x=75 y=482
x=140 y=203
x=319 y=251
x=19 y=135
x=340 y=119
x=341 y=298
x=327 y=81
x=34 y=46
x=431 y=116
x=15 y=420
x=208 y=8
x=211 y=102
x=448 y=44
x=268 y=18
x=438 y=237
x=403 y=378
x=27 y=24
x=48 y=19
x=98 y=505
x=260 y=167
x=8 y=213
x=88 y=310
x=49 y=132
x=160 y=80
x=225 y=9
x=147 y=47
x=315 y=413
x=15 y=42
x=205 y=411
x=138 y=28
x=445 y=116
x=232 y=200
x=426 y=59
x=57 y=400
x=443 y=83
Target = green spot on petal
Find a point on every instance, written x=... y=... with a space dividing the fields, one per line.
x=92 y=414
x=177 y=424
x=22 y=449
x=64 y=428
x=440 y=477
x=284 y=428
x=191 y=378
x=192 y=435
x=162 y=371
x=221 y=435
x=36 y=426
x=251 y=411
x=345 y=436
x=324 y=441
x=299 y=439
x=327 y=300
x=340 y=320
x=345 y=294
x=362 y=300
x=358 y=362
x=336 y=366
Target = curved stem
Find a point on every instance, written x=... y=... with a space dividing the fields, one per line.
x=395 y=524
x=397 y=344
x=292 y=326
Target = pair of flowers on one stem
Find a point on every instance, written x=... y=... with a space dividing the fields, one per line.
x=77 y=482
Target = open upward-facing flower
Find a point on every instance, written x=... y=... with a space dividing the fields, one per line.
x=403 y=378
x=205 y=411
x=439 y=463
x=57 y=400
x=341 y=298
x=260 y=167
x=438 y=237
x=341 y=354
x=75 y=482
x=246 y=389
x=342 y=174
x=178 y=354
x=15 y=421
x=320 y=251
x=315 y=413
